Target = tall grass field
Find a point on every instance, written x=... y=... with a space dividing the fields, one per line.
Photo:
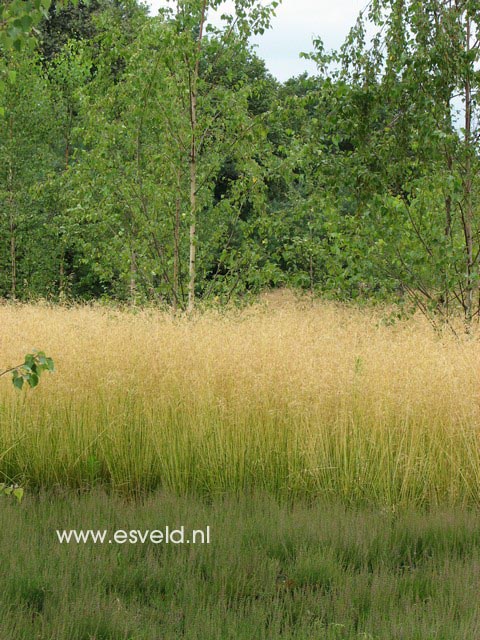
x=332 y=451
x=292 y=399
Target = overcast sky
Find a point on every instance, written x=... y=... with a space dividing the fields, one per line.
x=296 y=23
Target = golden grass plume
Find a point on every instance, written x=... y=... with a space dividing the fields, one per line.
x=291 y=398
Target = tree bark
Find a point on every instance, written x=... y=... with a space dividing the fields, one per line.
x=448 y=219
x=176 y=254
x=61 y=283
x=193 y=224
x=193 y=164
x=12 y=222
x=467 y=217
x=13 y=260
x=133 y=278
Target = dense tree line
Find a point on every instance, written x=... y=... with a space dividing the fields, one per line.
x=155 y=158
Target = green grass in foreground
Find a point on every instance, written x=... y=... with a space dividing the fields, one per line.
x=349 y=574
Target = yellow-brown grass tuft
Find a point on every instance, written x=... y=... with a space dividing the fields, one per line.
x=289 y=398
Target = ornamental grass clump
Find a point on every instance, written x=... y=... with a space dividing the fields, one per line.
x=294 y=399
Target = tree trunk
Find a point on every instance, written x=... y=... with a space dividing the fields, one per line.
x=12 y=223
x=133 y=278
x=13 y=260
x=448 y=228
x=193 y=164
x=193 y=220
x=61 y=284
x=467 y=214
x=176 y=254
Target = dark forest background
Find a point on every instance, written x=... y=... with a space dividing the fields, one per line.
x=120 y=131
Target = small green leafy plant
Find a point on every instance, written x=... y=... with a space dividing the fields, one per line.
x=11 y=490
x=30 y=370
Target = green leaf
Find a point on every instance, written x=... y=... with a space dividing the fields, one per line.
x=29 y=359
x=26 y=22
x=18 y=382
x=32 y=380
x=18 y=493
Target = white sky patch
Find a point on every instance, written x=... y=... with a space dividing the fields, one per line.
x=296 y=24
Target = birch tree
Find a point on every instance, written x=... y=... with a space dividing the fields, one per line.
x=405 y=106
x=191 y=28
